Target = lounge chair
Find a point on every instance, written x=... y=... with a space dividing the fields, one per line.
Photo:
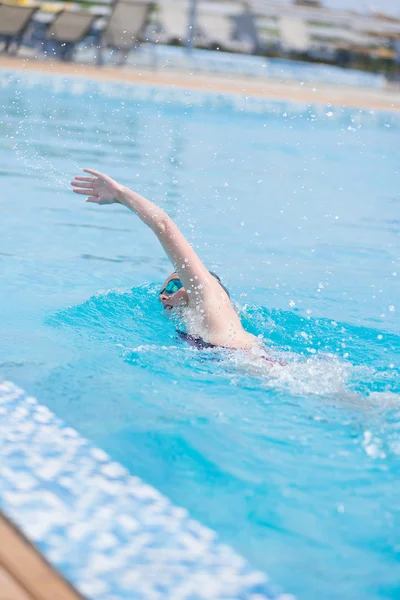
x=246 y=31
x=217 y=31
x=294 y=34
x=68 y=29
x=173 y=20
x=14 y=21
x=124 y=28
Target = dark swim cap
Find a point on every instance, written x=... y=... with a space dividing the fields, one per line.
x=220 y=283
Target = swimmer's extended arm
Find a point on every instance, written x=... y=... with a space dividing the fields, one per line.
x=101 y=189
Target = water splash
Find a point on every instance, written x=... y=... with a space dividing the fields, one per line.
x=133 y=323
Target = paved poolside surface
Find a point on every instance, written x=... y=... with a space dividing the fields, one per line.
x=24 y=573
x=317 y=93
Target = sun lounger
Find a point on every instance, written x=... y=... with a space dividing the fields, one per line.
x=68 y=29
x=294 y=34
x=217 y=33
x=173 y=20
x=246 y=31
x=124 y=28
x=14 y=21
x=214 y=30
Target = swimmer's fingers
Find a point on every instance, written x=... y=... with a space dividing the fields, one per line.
x=83 y=178
x=94 y=199
x=104 y=178
x=82 y=184
x=84 y=192
x=97 y=174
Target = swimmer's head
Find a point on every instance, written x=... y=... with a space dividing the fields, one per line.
x=173 y=293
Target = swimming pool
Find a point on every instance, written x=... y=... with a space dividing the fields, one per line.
x=243 y=64
x=296 y=208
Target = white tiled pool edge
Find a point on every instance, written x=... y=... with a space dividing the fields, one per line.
x=110 y=534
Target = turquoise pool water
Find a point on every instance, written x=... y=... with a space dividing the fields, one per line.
x=297 y=208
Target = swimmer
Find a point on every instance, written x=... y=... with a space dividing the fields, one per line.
x=205 y=305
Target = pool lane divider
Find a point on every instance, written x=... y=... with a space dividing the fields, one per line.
x=106 y=532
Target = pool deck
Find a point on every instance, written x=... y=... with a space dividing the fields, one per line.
x=24 y=573
x=313 y=93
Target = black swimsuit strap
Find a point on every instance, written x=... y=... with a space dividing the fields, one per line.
x=201 y=344
x=195 y=341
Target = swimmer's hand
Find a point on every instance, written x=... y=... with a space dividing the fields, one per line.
x=100 y=188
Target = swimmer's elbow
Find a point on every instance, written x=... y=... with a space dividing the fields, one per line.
x=163 y=225
x=159 y=223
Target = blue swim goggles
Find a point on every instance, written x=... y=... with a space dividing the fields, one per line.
x=172 y=286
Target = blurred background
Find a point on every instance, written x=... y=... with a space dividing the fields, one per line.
x=351 y=34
